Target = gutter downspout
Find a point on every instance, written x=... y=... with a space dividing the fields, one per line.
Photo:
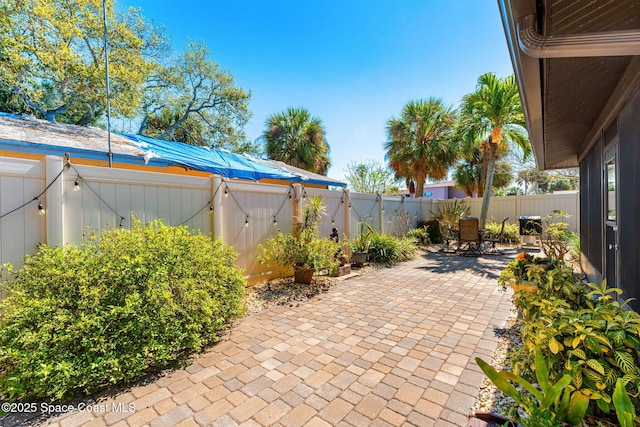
x=612 y=43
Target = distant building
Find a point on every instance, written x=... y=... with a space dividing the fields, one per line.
x=441 y=190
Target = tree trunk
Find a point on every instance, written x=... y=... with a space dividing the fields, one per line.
x=491 y=167
x=420 y=185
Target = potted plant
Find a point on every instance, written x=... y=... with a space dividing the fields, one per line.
x=302 y=250
x=360 y=245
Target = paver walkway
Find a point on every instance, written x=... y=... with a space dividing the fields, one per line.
x=393 y=347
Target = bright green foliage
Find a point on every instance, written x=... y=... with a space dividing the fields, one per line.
x=112 y=309
x=53 y=59
x=388 y=249
x=302 y=249
x=526 y=268
x=420 y=143
x=547 y=404
x=511 y=233
x=362 y=241
x=420 y=235
x=194 y=101
x=297 y=138
x=491 y=119
x=625 y=411
x=595 y=341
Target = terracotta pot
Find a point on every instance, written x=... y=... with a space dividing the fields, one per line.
x=304 y=275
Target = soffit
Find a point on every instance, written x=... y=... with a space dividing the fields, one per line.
x=576 y=90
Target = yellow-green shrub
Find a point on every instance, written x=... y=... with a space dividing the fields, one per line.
x=112 y=309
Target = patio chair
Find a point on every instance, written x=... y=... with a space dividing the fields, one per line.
x=492 y=249
x=447 y=237
x=469 y=238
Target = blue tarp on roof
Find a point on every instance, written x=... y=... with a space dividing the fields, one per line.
x=221 y=162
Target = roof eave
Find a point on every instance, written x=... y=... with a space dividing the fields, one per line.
x=527 y=74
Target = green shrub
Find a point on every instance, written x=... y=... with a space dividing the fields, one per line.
x=511 y=233
x=113 y=309
x=582 y=333
x=420 y=235
x=433 y=230
x=557 y=238
x=387 y=249
x=303 y=248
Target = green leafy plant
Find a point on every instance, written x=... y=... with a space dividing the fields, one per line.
x=433 y=229
x=520 y=270
x=625 y=410
x=420 y=235
x=511 y=233
x=112 y=309
x=595 y=343
x=547 y=404
x=302 y=249
x=557 y=238
x=387 y=249
x=362 y=241
x=449 y=212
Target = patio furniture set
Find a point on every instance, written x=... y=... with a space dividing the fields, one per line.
x=469 y=240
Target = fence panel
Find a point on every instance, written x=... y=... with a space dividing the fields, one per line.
x=247 y=219
x=105 y=196
x=20 y=231
x=246 y=214
x=513 y=207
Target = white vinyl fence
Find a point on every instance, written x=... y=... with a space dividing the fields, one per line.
x=242 y=214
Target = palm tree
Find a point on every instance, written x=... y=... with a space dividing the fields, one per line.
x=492 y=119
x=470 y=177
x=298 y=139
x=420 y=143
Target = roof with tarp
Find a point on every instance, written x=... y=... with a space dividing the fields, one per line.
x=28 y=134
x=225 y=163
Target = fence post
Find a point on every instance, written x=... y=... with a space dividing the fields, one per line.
x=54 y=206
x=347 y=213
x=380 y=202
x=216 y=203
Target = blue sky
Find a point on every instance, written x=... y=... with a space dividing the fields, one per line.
x=352 y=63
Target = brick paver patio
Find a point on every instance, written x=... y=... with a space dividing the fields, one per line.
x=393 y=347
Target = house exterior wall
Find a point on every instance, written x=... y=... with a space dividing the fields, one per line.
x=629 y=207
x=591 y=218
x=596 y=255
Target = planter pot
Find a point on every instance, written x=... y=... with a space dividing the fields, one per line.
x=486 y=419
x=358 y=258
x=524 y=287
x=304 y=275
x=342 y=271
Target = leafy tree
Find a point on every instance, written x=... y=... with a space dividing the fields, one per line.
x=52 y=59
x=298 y=139
x=532 y=176
x=371 y=176
x=420 y=142
x=491 y=119
x=194 y=101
